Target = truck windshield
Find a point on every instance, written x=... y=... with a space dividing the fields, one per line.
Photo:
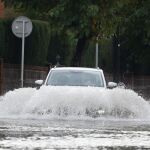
x=75 y=78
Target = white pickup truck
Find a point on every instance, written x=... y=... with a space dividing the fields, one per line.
x=76 y=76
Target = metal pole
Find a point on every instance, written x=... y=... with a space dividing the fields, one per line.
x=96 y=60
x=119 y=76
x=22 y=58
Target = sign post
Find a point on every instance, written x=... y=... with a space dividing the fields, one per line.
x=96 y=53
x=22 y=27
x=96 y=60
x=22 y=58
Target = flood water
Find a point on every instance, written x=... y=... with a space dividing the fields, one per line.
x=74 y=118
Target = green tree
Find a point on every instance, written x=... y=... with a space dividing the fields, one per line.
x=84 y=19
x=134 y=37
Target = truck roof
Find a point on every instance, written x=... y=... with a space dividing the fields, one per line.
x=77 y=68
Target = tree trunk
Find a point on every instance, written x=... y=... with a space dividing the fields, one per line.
x=79 y=51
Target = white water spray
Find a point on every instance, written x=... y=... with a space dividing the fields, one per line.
x=75 y=101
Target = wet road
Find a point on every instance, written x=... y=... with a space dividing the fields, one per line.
x=69 y=133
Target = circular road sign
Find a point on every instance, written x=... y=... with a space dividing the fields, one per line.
x=22 y=24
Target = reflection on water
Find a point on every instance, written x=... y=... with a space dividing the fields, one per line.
x=74 y=134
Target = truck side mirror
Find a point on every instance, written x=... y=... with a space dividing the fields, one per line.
x=39 y=82
x=111 y=85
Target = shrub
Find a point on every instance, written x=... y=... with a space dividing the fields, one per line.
x=36 y=45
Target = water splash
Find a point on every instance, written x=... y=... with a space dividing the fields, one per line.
x=75 y=101
x=13 y=102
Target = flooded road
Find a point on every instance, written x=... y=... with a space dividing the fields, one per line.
x=74 y=118
x=74 y=134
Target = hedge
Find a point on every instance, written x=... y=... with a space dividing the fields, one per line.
x=41 y=47
x=36 y=45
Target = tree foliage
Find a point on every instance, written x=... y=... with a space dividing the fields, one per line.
x=84 y=20
x=83 y=17
x=134 y=37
